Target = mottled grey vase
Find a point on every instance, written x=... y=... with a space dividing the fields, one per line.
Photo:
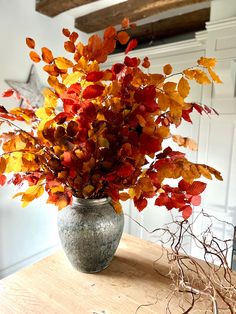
x=90 y=231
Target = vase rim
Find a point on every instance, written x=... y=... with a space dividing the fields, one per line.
x=92 y=201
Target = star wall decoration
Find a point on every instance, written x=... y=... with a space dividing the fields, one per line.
x=31 y=91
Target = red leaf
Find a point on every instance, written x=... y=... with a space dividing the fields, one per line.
x=196 y=188
x=131 y=45
x=125 y=170
x=140 y=203
x=149 y=144
x=117 y=68
x=7 y=93
x=3 y=179
x=131 y=62
x=94 y=76
x=145 y=94
x=183 y=185
x=186 y=211
x=162 y=200
x=93 y=91
x=196 y=200
x=66 y=159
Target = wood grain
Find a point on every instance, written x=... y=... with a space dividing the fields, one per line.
x=176 y=25
x=53 y=286
x=134 y=9
x=54 y=7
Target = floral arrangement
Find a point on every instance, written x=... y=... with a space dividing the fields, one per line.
x=111 y=122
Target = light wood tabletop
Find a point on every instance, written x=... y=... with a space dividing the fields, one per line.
x=53 y=286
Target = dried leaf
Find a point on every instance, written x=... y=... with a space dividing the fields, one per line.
x=63 y=63
x=183 y=87
x=131 y=45
x=34 y=56
x=167 y=69
x=30 y=42
x=123 y=37
x=47 y=55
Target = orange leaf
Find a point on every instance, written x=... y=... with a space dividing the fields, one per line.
x=123 y=37
x=185 y=141
x=73 y=36
x=66 y=32
x=183 y=87
x=69 y=46
x=214 y=76
x=30 y=42
x=207 y=62
x=117 y=206
x=63 y=63
x=125 y=22
x=124 y=196
x=167 y=69
x=110 y=32
x=34 y=56
x=146 y=63
x=47 y=55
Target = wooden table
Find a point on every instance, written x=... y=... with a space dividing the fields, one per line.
x=53 y=286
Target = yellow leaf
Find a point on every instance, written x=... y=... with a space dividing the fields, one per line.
x=205 y=172
x=88 y=190
x=163 y=102
x=30 y=194
x=169 y=87
x=175 y=110
x=201 y=77
x=3 y=165
x=50 y=98
x=63 y=63
x=58 y=188
x=103 y=142
x=183 y=87
x=167 y=69
x=214 y=76
x=207 y=62
x=14 y=163
x=72 y=78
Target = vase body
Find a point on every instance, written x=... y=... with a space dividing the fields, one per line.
x=90 y=231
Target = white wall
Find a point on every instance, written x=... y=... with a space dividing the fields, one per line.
x=30 y=233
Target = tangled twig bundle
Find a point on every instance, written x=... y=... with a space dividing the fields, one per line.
x=201 y=286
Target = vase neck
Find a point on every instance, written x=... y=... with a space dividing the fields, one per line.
x=89 y=201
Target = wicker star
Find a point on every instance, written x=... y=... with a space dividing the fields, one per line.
x=31 y=91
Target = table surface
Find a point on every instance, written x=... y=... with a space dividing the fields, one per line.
x=53 y=286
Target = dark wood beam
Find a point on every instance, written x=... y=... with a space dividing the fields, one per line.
x=177 y=25
x=54 y=7
x=134 y=9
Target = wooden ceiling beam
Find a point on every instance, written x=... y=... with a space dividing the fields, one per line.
x=54 y=7
x=134 y=9
x=176 y=25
